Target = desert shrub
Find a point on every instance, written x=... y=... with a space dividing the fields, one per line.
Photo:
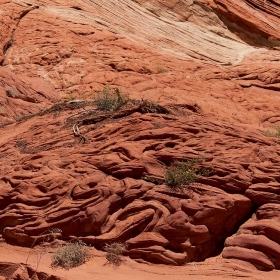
x=272 y=133
x=110 y=99
x=71 y=255
x=179 y=174
x=114 y=253
x=161 y=70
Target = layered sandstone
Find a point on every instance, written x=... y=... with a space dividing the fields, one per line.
x=212 y=64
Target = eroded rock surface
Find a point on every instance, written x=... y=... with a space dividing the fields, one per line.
x=80 y=46
x=257 y=241
x=22 y=96
x=214 y=65
x=95 y=191
x=15 y=271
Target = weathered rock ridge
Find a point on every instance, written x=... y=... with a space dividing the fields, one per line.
x=213 y=64
x=13 y=271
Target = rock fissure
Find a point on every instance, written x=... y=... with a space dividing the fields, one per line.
x=9 y=44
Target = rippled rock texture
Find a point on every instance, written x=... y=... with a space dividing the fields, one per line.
x=213 y=65
x=95 y=190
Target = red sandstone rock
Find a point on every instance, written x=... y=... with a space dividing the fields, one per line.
x=15 y=271
x=260 y=235
x=261 y=18
x=22 y=96
x=199 y=61
x=91 y=54
x=101 y=208
x=257 y=258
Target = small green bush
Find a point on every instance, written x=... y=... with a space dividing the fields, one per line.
x=110 y=99
x=179 y=174
x=114 y=253
x=71 y=255
x=270 y=133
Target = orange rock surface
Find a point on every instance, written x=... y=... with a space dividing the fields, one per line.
x=212 y=64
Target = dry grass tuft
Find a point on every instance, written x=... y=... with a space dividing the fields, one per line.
x=110 y=99
x=270 y=133
x=71 y=255
x=180 y=174
x=114 y=253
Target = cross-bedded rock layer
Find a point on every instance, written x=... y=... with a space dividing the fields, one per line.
x=198 y=58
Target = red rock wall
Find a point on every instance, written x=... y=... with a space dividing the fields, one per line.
x=195 y=58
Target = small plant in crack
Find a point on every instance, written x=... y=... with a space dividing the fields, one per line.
x=157 y=125
x=21 y=143
x=272 y=133
x=181 y=174
x=8 y=45
x=11 y=92
x=161 y=69
x=110 y=99
x=46 y=236
x=114 y=253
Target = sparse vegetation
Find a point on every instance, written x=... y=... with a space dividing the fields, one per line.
x=56 y=109
x=179 y=174
x=153 y=180
x=46 y=236
x=147 y=106
x=11 y=92
x=20 y=143
x=8 y=45
x=161 y=69
x=272 y=133
x=157 y=125
x=114 y=253
x=110 y=99
x=71 y=255
x=70 y=98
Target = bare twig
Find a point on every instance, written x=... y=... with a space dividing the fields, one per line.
x=49 y=235
x=77 y=133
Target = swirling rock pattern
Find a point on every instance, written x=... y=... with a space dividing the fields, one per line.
x=197 y=58
x=257 y=241
x=95 y=190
